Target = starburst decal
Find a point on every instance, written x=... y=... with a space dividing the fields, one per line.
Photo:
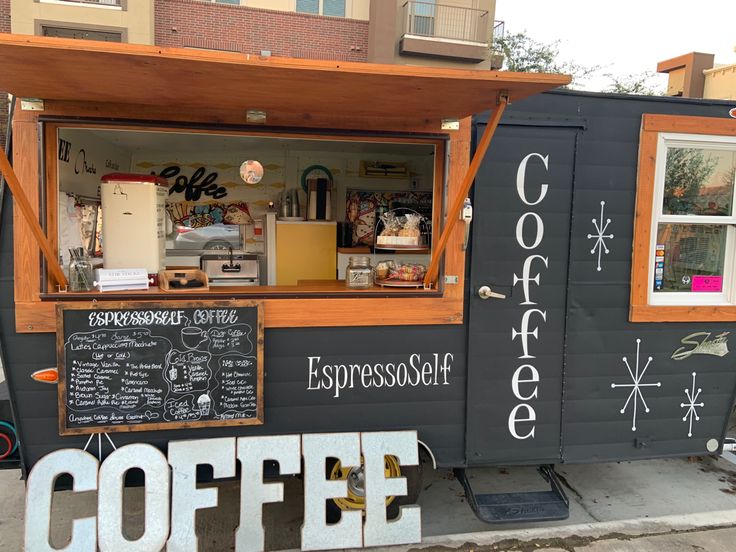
x=692 y=395
x=600 y=238
x=636 y=385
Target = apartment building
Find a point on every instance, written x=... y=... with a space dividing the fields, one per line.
x=450 y=33
x=720 y=82
x=321 y=32
x=695 y=75
x=106 y=20
x=417 y=32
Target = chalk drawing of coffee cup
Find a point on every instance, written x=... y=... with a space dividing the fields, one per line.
x=204 y=402
x=192 y=337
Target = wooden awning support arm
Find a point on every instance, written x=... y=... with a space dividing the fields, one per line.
x=453 y=214
x=30 y=217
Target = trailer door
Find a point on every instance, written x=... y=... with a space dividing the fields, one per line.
x=518 y=289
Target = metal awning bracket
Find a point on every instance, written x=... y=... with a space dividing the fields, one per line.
x=32 y=104
x=450 y=124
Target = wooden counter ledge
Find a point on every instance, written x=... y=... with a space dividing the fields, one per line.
x=303 y=289
x=357 y=250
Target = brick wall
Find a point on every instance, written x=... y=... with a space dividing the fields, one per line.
x=4 y=28
x=197 y=24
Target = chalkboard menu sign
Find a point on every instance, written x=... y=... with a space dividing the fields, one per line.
x=155 y=366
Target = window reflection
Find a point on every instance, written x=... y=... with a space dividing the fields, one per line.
x=699 y=181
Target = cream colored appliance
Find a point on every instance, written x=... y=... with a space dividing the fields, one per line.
x=134 y=221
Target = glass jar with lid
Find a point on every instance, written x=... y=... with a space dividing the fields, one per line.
x=359 y=274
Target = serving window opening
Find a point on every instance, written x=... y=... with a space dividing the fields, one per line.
x=245 y=213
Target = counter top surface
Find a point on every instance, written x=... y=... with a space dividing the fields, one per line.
x=302 y=289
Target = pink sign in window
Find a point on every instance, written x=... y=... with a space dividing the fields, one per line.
x=707 y=283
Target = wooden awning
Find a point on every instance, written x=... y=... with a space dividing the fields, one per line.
x=102 y=72
x=80 y=70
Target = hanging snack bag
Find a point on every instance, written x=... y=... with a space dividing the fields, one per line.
x=391 y=224
x=400 y=231
x=411 y=227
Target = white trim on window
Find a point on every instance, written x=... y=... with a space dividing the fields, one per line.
x=88 y=4
x=728 y=294
x=346 y=9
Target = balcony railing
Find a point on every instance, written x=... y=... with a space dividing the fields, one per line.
x=105 y=3
x=499 y=29
x=448 y=22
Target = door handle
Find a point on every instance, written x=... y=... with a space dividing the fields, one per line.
x=485 y=292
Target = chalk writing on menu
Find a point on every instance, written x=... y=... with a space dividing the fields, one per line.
x=129 y=367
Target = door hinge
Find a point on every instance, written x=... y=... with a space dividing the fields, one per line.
x=451 y=279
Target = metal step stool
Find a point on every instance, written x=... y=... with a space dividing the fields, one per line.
x=519 y=507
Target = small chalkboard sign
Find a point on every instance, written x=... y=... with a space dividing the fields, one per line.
x=138 y=366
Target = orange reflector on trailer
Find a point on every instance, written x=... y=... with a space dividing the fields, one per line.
x=47 y=375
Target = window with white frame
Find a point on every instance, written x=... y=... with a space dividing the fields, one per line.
x=422 y=17
x=334 y=8
x=693 y=225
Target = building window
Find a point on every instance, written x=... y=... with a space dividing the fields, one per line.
x=421 y=17
x=334 y=8
x=307 y=6
x=233 y=2
x=685 y=230
x=90 y=3
x=83 y=34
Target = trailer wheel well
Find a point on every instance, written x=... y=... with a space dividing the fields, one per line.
x=429 y=452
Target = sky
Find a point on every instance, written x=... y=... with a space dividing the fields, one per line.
x=625 y=36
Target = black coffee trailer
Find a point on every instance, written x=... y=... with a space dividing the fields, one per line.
x=586 y=318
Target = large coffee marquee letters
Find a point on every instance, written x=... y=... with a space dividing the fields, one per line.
x=525 y=380
x=170 y=522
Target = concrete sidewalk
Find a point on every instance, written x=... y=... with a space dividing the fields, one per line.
x=706 y=540
x=666 y=533
x=664 y=505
